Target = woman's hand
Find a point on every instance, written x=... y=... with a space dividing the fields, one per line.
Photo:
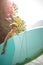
x=3 y=51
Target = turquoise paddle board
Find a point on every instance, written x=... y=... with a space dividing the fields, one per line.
x=23 y=48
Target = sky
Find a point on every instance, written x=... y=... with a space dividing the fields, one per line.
x=31 y=11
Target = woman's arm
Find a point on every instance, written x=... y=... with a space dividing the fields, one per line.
x=5 y=41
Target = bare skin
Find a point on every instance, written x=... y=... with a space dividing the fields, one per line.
x=10 y=34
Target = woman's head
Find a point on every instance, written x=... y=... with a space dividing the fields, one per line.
x=13 y=26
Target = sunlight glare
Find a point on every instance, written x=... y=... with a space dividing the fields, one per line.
x=30 y=11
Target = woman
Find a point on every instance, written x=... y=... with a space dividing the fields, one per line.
x=10 y=34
